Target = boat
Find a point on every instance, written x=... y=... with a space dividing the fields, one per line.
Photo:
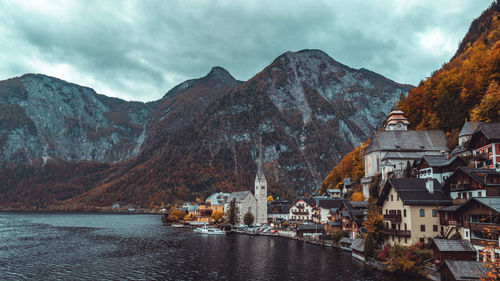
x=177 y=225
x=209 y=230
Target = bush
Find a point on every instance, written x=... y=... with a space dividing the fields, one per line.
x=369 y=246
x=337 y=235
x=248 y=218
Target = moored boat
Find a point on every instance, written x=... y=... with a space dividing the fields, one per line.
x=209 y=230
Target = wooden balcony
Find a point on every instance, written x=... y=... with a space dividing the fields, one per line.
x=459 y=201
x=484 y=242
x=298 y=213
x=395 y=218
x=397 y=232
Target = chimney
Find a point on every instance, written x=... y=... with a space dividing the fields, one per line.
x=429 y=184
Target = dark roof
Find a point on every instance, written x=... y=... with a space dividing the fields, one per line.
x=358 y=244
x=400 y=140
x=403 y=155
x=476 y=174
x=310 y=226
x=440 y=160
x=490 y=130
x=335 y=223
x=465 y=270
x=329 y=204
x=451 y=208
x=280 y=208
x=413 y=191
x=309 y=201
x=468 y=128
x=447 y=245
x=359 y=204
x=491 y=202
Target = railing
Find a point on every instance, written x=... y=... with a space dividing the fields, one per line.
x=397 y=232
x=459 y=201
x=393 y=217
x=461 y=186
x=484 y=242
x=298 y=213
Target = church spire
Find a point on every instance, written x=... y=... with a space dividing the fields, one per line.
x=260 y=164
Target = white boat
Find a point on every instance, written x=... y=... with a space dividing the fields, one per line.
x=209 y=230
x=177 y=225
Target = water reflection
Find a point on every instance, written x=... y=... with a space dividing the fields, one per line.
x=137 y=247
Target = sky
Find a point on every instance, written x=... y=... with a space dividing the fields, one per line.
x=138 y=50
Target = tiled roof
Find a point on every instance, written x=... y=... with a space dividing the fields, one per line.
x=358 y=244
x=359 y=204
x=413 y=191
x=447 y=245
x=466 y=270
x=403 y=155
x=490 y=130
x=397 y=140
x=238 y=195
x=492 y=202
x=478 y=174
x=218 y=198
x=329 y=204
x=439 y=160
x=468 y=128
x=308 y=200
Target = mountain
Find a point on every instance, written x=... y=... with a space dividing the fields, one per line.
x=465 y=87
x=42 y=117
x=309 y=109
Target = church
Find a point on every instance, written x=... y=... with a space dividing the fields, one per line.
x=255 y=203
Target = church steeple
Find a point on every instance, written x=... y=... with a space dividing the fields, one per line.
x=260 y=163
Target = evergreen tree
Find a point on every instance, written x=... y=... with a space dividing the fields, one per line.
x=408 y=173
x=369 y=246
x=233 y=213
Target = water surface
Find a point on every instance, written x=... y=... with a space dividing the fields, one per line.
x=62 y=246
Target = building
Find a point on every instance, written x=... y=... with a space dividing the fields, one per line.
x=217 y=201
x=324 y=207
x=310 y=229
x=439 y=167
x=448 y=249
x=467 y=183
x=260 y=190
x=302 y=210
x=461 y=270
x=391 y=149
x=334 y=193
x=464 y=137
x=485 y=146
x=409 y=207
x=278 y=212
x=396 y=121
x=358 y=249
x=245 y=202
x=352 y=215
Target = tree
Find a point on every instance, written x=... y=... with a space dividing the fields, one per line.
x=357 y=196
x=369 y=246
x=232 y=216
x=270 y=198
x=408 y=173
x=248 y=218
x=374 y=186
x=337 y=235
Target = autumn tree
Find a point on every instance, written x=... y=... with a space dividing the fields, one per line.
x=357 y=196
x=248 y=218
x=217 y=216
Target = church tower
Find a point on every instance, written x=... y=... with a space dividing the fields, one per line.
x=261 y=190
x=396 y=121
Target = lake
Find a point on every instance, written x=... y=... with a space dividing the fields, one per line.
x=69 y=246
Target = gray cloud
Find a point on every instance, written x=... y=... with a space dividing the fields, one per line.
x=138 y=50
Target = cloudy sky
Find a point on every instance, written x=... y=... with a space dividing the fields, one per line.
x=138 y=50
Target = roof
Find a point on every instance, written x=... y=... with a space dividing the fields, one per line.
x=330 y=203
x=477 y=174
x=333 y=190
x=358 y=244
x=490 y=130
x=403 y=155
x=310 y=226
x=308 y=200
x=492 y=202
x=440 y=160
x=279 y=208
x=466 y=270
x=402 y=140
x=218 y=198
x=446 y=245
x=468 y=128
x=413 y=191
x=238 y=195
x=359 y=204
x=335 y=223
x=451 y=208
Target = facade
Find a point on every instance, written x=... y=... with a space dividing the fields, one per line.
x=449 y=249
x=439 y=167
x=396 y=121
x=334 y=193
x=467 y=183
x=409 y=208
x=324 y=207
x=464 y=137
x=260 y=190
x=485 y=146
x=461 y=270
x=352 y=215
x=245 y=202
x=278 y=212
x=217 y=201
x=302 y=210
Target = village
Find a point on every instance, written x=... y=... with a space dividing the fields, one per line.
x=419 y=209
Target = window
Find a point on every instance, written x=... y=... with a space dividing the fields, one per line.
x=404 y=213
x=422 y=240
x=434 y=212
x=422 y=212
x=392 y=237
x=470 y=195
x=392 y=197
x=435 y=228
x=249 y=209
x=406 y=240
x=479 y=194
x=422 y=227
x=397 y=197
x=406 y=228
x=489 y=149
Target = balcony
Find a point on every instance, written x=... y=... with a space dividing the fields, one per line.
x=397 y=232
x=396 y=218
x=460 y=186
x=459 y=201
x=484 y=242
x=299 y=213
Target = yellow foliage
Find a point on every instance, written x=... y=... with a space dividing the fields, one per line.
x=270 y=198
x=357 y=196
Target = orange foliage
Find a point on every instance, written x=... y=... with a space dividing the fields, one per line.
x=357 y=196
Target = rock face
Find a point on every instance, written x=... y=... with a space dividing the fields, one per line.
x=202 y=136
x=43 y=117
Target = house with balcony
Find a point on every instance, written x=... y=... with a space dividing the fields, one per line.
x=352 y=215
x=439 y=167
x=466 y=183
x=485 y=146
x=278 y=211
x=302 y=210
x=409 y=208
x=323 y=209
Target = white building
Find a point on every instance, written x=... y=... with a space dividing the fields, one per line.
x=245 y=202
x=260 y=190
x=302 y=210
